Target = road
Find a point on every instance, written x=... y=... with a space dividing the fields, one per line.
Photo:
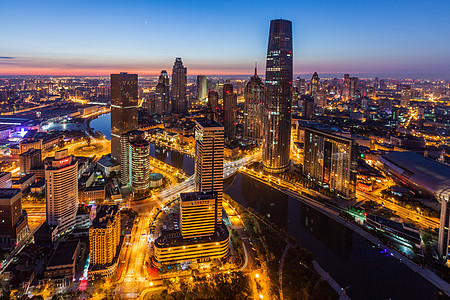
x=401 y=211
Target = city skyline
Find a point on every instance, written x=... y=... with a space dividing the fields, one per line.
x=368 y=40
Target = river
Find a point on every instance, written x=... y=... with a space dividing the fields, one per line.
x=356 y=264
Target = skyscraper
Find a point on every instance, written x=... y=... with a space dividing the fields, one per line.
x=315 y=84
x=229 y=111
x=179 y=81
x=407 y=95
x=162 y=95
x=209 y=144
x=124 y=102
x=30 y=159
x=278 y=97
x=125 y=157
x=198 y=214
x=61 y=191
x=213 y=100
x=331 y=160
x=140 y=165
x=346 y=88
x=253 y=109
x=202 y=88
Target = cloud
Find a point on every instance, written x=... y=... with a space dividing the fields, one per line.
x=7 y=57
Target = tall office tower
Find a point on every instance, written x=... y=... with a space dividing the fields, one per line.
x=140 y=165
x=209 y=144
x=407 y=95
x=30 y=159
x=213 y=99
x=353 y=87
x=300 y=83
x=14 y=225
x=346 y=88
x=198 y=212
x=331 y=159
x=202 y=88
x=315 y=84
x=179 y=81
x=240 y=87
x=229 y=111
x=278 y=98
x=124 y=113
x=307 y=107
x=253 y=109
x=125 y=157
x=386 y=105
x=104 y=235
x=162 y=95
x=61 y=191
x=5 y=180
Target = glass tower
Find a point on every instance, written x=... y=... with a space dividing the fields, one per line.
x=124 y=103
x=179 y=81
x=278 y=98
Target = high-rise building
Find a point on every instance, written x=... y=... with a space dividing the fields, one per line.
x=30 y=159
x=14 y=224
x=407 y=95
x=320 y=98
x=229 y=111
x=315 y=84
x=202 y=88
x=353 y=87
x=5 y=180
x=140 y=165
x=179 y=81
x=162 y=95
x=213 y=100
x=198 y=211
x=331 y=160
x=278 y=98
x=125 y=157
x=253 y=109
x=61 y=191
x=307 y=107
x=209 y=145
x=346 y=88
x=300 y=83
x=124 y=103
x=104 y=235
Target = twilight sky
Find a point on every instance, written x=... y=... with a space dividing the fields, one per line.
x=394 y=38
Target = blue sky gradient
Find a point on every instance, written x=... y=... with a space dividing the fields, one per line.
x=401 y=38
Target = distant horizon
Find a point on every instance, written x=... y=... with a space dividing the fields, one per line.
x=306 y=76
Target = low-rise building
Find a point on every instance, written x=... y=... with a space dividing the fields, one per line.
x=60 y=269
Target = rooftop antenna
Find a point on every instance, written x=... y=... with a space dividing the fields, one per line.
x=256 y=62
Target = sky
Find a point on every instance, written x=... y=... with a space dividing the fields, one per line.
x=396 y=38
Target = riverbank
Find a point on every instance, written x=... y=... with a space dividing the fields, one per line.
x=331 y=213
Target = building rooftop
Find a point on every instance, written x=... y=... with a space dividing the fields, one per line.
x=8 y=193
x=106 y=161
x=24 y=178
x=197 y=196
x=420 y=172
x=155 y=176
x=104 y=214
x=64 y=254
x=208 y=123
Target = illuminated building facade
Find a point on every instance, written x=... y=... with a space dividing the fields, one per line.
x=179 y=81
x=32 y=158
x=331 y=160
x=213 y=100
x=315 y=84
x=209 y=145
x=104 y=235
x=253 y=109
x=162 y=95
x=124 y=103
x=198 y=214
x=61 y=191
x=14 y=224
x=125 y=156
x=229 y=111
x=407 y=95
x=202 y=88
x=278 y=98
x=140 y=165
